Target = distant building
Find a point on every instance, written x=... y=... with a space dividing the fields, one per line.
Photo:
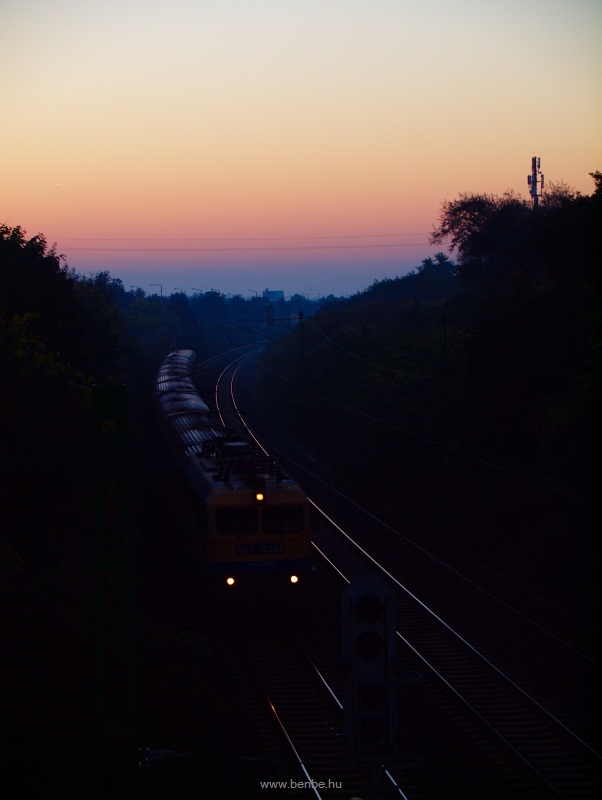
x=272 y=297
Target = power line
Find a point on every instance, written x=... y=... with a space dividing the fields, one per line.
x=248 y=249
x=234 y=238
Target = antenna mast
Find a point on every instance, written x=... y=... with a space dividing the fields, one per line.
x=535 y=178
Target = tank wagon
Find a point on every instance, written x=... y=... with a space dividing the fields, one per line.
x=251 y=518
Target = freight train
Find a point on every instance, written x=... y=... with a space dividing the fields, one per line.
x=252 y=520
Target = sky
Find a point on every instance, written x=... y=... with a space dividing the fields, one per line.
x=296 y=145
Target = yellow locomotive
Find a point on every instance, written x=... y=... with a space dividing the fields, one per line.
x=253 y=519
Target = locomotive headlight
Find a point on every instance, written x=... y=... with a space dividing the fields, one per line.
x=230 y=581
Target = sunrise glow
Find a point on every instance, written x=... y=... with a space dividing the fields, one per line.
x=300 y=143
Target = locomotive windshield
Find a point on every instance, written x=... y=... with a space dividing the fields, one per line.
x=244 y=521
x=237 y=521
x=283 y=520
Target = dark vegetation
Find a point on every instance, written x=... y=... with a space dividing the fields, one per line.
x=62 y=334
x=461 y=396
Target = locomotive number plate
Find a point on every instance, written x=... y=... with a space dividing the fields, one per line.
x=258 y=549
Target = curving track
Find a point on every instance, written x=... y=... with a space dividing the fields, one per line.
x=537 y=751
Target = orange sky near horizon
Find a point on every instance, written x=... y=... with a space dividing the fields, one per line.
x=268 y=119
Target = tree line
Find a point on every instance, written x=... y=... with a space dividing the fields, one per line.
x=461 y=398
x=516 y=317
x=61 y=333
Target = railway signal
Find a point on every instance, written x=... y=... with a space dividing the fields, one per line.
x=370 y=701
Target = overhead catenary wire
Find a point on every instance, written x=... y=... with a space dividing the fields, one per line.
x=405 y=373
x=505 y=467
x=400 y=372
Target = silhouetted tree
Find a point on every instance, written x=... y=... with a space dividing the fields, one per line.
x=504 y=245
x=440 y=262
x=493 y=236
x=558 y=194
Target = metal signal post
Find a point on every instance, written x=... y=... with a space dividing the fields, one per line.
x=368 y=644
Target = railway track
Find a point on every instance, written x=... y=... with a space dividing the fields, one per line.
x=296 y=710
x=531 y=747
x=307 y=715
x=549 y=758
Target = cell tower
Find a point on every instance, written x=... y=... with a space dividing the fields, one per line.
x=535 y=178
